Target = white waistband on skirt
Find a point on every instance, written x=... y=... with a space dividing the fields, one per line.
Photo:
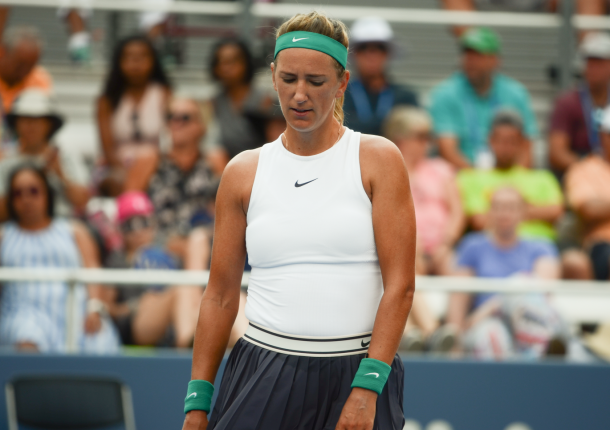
x=308 y=346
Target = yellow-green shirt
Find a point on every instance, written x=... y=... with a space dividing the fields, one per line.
x=538 y=188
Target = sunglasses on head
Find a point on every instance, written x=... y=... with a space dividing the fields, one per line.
x=136 y=223
x=179 y=117
x=25 y=192
x=372 y=46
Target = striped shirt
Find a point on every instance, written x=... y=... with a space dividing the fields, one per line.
x=36 y=311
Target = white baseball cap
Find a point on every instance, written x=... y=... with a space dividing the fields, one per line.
x=371 y=29
x=596 y=45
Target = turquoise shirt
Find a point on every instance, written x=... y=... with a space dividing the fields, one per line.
x=458 y=111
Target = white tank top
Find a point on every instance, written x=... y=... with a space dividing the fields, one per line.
x=310 y=241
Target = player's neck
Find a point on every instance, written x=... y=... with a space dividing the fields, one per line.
x=315 y=141
x=599 y=94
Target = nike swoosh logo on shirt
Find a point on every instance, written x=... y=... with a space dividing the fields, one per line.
x=365 y=344
x=296 y=184
x=302 y=38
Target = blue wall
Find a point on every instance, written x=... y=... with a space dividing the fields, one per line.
x=470 y=396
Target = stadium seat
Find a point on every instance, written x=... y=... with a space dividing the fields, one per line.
x=68 y=402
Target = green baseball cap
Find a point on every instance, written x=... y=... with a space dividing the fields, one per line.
x=482 y=40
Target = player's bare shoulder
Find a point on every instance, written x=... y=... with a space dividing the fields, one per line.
x=243 y=164
x=378 y=149
x=238 y=177
x=379 y=158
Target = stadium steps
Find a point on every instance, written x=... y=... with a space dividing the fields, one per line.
x=428 y=55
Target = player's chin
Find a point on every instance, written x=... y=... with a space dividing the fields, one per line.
x=302 y=124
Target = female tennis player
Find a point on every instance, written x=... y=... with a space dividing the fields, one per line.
x=326 y=217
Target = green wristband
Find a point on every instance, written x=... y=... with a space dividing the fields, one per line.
x=199 y=396
x=372 y=375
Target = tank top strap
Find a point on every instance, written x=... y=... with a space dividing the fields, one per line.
x=268 y=152
x=355 y=171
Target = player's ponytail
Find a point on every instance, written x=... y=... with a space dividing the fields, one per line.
x=317 y=22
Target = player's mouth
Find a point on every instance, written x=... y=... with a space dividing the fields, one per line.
x=301 y=112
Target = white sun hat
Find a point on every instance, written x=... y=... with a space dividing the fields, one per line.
x=36 y=103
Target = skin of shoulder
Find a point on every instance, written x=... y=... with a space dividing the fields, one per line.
x=85 y=244
x=380 y=159
x=79 y=230
x=103 y=102
x=238 y=176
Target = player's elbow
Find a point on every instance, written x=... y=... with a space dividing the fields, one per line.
x=401 y=293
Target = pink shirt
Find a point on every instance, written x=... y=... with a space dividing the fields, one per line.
x=431 y=182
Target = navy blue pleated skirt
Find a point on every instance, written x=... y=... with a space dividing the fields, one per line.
x=267 y=390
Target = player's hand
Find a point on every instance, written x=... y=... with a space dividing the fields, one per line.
x=93 y=323
x=359 y=411
x=195 y=420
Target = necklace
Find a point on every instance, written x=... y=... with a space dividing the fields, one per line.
x=285 y=139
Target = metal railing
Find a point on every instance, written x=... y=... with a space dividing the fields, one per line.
x=144 y=278
x=392 y=14
x=245 y=12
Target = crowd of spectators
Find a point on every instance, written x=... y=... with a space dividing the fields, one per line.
x=148 y=202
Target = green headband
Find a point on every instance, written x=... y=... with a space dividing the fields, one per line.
x=315 y=41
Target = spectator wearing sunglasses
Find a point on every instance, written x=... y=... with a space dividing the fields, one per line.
x=181 y=185
x=157 y=315
x=440 y=220
x=34 y=119
x=131 y=109
x=371 y=95
x=33 y=313
x=438 y=209
x=144 y=315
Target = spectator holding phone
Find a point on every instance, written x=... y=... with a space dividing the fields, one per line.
x=34 y=119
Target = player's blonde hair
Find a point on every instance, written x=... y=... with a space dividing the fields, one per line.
x=317 y=22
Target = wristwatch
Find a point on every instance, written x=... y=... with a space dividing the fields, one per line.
x=96 y=306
